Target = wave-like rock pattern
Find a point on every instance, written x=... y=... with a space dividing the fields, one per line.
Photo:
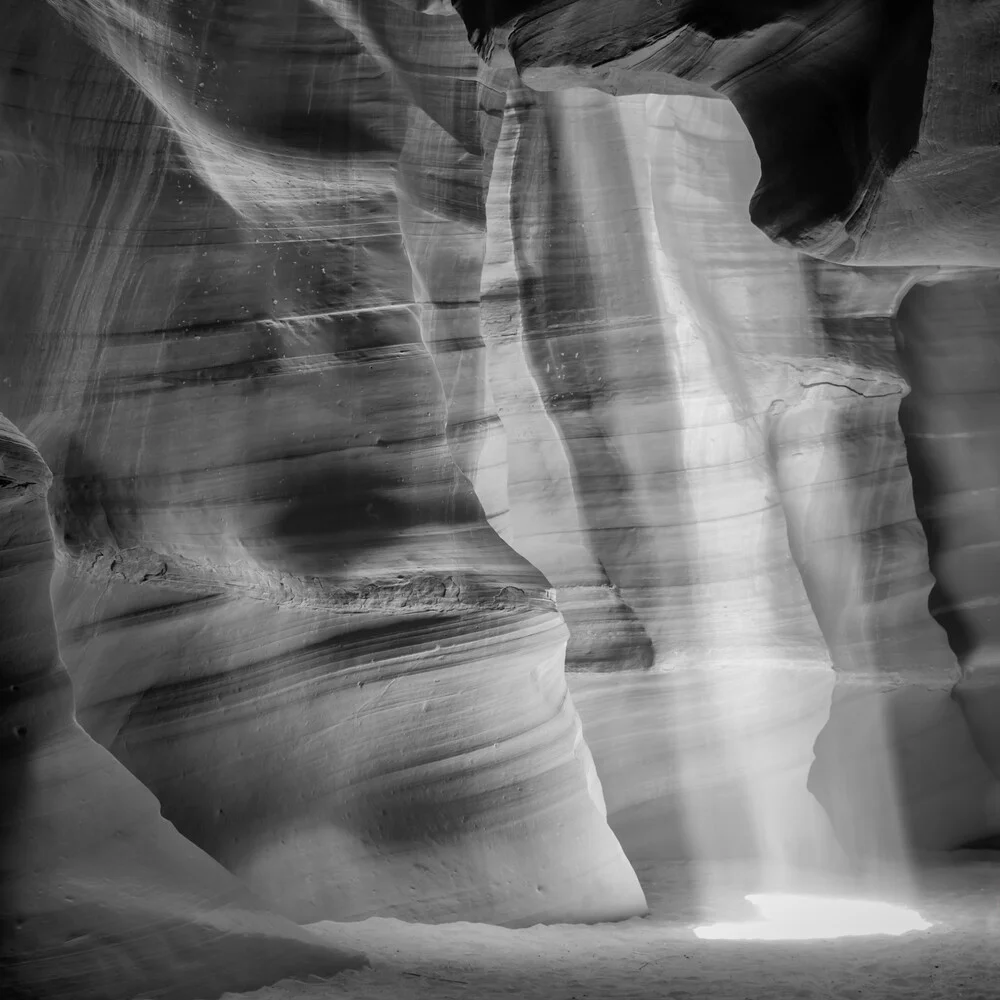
x=673 y=422
x=281 y=602
x=626 y=359
x=718 y=433
x=102 y=898
x=425 y=766
x=365 y=368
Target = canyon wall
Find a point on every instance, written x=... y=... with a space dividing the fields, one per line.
x=948 y=347
x=102 y=896
x=713 y=421
x=876 y=121
x=462 y=484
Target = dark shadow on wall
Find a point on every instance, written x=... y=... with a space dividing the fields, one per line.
x=949 y=342
x=850 y=114
x=938 y=746
x=832 y=92
x=81 y=503
x=941 y=365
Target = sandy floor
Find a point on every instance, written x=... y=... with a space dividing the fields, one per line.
x=660 y=958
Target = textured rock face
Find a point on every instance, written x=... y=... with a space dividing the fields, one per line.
x=714 y=423
x=280 y=600
x=875 y=121
x=948 y=343
x=102 y=897
x=402 y=406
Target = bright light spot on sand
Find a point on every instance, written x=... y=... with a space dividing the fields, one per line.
x=804 y=918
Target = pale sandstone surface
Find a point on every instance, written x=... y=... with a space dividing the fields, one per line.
x=455 y=491
x=279 y=598
x=101 y=896
x=736 y=467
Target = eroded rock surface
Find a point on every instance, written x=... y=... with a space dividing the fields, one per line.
x=282 y=605
x=101 y=897
x=948 y=343
x=876 y=121
x=715 y=428
x=401 y=404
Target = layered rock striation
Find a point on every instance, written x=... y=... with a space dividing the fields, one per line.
x=717 y=429
x=875 y=121
x=452 y=485
x=281 y=603
x=947 y=342
x=102 y=897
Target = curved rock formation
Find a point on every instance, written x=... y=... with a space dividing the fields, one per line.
x=101 y=897
x=875 y=120
x=382 y=386
x=351 y=690
x=720 y=433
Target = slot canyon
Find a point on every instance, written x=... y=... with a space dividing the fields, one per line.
x=500 y=498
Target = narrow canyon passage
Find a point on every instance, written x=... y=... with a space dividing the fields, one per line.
x=482 y=502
